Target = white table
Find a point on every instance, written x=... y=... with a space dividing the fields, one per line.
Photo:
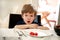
x=11 y=34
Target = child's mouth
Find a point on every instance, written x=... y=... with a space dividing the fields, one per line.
x=28 y=21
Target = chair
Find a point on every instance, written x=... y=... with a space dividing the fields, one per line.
x=14 y=18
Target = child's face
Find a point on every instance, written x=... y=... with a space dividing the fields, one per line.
x=28 y=17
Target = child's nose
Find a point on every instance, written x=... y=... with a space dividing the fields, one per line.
x=28 y=18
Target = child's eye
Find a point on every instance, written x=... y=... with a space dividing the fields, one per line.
x=31 y=15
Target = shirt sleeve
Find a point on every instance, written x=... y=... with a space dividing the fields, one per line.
x=35 y=22
x=20 y=23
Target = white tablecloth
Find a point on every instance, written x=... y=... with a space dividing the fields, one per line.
x=11 y=34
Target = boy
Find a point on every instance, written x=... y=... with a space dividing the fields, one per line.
x=28 y=15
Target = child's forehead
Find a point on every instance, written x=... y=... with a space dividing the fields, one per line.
x=29 y=13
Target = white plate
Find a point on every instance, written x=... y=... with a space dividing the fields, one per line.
x=41 y=33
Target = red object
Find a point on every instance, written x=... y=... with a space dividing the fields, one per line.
x=33 y=34
x=36 y=34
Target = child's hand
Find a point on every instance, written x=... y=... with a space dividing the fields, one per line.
x=33 y=26
x=43 y=28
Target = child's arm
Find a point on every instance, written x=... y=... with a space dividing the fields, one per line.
x=42 y=28
x=21 y=26
x=31 y=26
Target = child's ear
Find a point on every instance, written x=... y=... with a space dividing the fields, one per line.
x=34 y=17
x=21 y=16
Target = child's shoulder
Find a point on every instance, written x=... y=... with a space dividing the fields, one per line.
x=20 y=22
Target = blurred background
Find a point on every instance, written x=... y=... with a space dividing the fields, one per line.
x=48 y=8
